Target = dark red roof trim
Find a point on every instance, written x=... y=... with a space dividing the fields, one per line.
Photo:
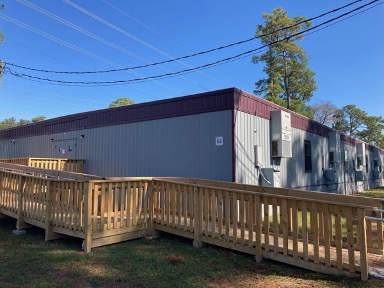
x=226 y=99
x=251 y=104
x=174 y=107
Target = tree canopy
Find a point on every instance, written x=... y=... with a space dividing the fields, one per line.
x=349 y=119
x=289 y=80
x=12 y=122
x=121 y=102
x=357 y=123
x=324 y=112
x=374 y=125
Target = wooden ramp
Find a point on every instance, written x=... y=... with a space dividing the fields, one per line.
x=276 y=252
x=328 y=233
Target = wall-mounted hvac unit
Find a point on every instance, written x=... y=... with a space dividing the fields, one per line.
x=376 y=175
x=360 y=153
x=377 y=165
x=330 y=177
x=281 y=134
x=334 y=148
x=359 y=175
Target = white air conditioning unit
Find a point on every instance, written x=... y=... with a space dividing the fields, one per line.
x=281 y=134
x=334 y=149
x=360 y=153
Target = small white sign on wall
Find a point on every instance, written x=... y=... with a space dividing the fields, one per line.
x=219 y=141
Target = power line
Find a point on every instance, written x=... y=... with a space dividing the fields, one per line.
x=120 y=30
x=144 y=25
x=182 y=57
x=55 y=95
x=205 y=66
x=94 y=36
x=70 y=64
x=74 y=47
x=45 y=103
x=157 y=33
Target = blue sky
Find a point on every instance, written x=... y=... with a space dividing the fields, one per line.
x=346 y=57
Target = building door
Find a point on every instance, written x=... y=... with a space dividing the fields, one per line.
x=66 y=148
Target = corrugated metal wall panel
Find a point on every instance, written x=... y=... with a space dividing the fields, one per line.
x=293 y=172
x=250 y=130
x=181 y=146
x=347 y=176
x=178 y=147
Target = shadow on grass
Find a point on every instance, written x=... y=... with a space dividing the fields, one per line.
x=142 y=263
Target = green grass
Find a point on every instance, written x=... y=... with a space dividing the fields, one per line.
x=373 y=193
x=28 y=261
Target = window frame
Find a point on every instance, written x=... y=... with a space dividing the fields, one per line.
x=308 y=156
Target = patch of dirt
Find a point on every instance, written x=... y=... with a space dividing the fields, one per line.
x=175 y=259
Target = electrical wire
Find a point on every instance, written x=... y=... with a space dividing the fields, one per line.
x=71 y=64
x=74 y=47
x=204 y=66
x=194 y=54
x=159 y=34
x=95 y=37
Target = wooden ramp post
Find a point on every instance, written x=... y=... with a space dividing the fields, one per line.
x=87 y=244
x=363 y=244
x=20 y=225
x=151 y=209
x=197 y=223
x=259 y=230
x=49 y=234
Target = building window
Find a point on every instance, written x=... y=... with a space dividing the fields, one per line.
x=359 y=162
x=345 y=161
x=366 y=164
x=308 y=156
x=376 y=166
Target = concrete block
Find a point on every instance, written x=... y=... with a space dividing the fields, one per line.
x=198 y=244
x=19 y=232
x=151 y=237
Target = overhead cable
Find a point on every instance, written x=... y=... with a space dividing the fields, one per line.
x=194 y=54
x=219 y=62
x=97 y=38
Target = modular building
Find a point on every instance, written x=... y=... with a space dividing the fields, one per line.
x=227 y=135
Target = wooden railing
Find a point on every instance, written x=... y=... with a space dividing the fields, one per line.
x=318 y=231
x=325 y=233
x=116 y=210
x=99 y=211
x=69 y=165
x=373 y=205
x=46 y=173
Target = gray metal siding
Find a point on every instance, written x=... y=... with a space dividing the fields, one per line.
x=293 y=172
x=250 y=130
x=176 y=147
